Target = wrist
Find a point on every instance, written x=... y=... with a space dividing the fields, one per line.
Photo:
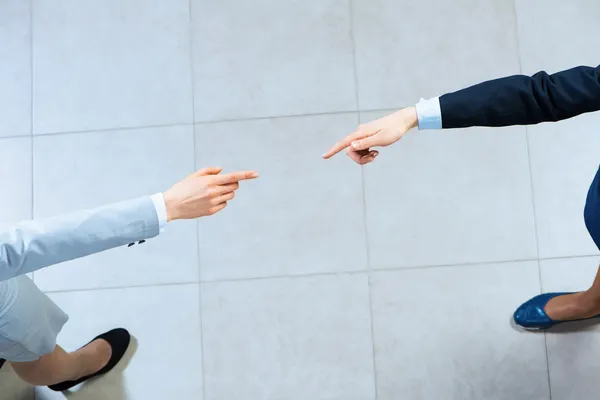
x=411 y=119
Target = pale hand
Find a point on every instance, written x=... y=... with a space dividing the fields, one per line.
x=378 y=133
x=203 y=193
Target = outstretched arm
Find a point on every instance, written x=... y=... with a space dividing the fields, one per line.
x=31 y=245
x=523 y=100
x=513 y=100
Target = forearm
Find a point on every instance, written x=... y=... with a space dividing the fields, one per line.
x=516 y=100
x=31 y=245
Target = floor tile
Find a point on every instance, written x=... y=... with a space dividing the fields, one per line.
x=303 y=215
x=165 y=358
x=445 y=333
x=15 y=68
x=409 y=50
x=568 y=274
x=111 y=64
x=15 y=176
x=78 y=171
x=564 y=159
x=555 y=35
x=270 y=58
x=572 y=348
x=293 y=339
x=452 y=198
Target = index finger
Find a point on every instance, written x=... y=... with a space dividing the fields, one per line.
x=342 y=144
x=235 y=177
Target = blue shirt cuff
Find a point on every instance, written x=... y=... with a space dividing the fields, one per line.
x=429 y=113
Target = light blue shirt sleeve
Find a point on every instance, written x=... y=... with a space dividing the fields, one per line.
x=429 y=114
x=30 y=245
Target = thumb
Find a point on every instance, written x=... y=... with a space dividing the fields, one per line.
x=209 y=171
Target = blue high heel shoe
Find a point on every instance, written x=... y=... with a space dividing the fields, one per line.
x=531 y=315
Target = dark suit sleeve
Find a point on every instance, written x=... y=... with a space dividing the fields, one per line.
x=523 y=100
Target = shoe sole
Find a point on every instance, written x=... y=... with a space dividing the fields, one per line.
x=532 y=329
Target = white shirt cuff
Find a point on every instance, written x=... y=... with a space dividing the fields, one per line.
x=429 y=113
x=161 y=210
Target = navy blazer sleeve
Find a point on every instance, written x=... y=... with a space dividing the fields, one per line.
x=523 y=100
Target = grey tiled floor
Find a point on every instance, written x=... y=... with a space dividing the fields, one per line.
x=322 y=280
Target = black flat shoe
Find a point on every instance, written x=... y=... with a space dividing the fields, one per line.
x=118 y=339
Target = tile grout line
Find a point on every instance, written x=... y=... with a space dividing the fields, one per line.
x=351 y=17
x=315 y=274
x=391 y=269
x=31 y=114
x=368 y=253
x=364 y=203
x=370 y=292
x=113 y=129
x=535 y=219
x=140 y=286
x=195 y=152
x=183 y=124
x=31 y=136
x=545 y=337
x=539 y=268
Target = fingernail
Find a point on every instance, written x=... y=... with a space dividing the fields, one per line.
x=355 y=145
x=254 y=175
x=375 y=155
